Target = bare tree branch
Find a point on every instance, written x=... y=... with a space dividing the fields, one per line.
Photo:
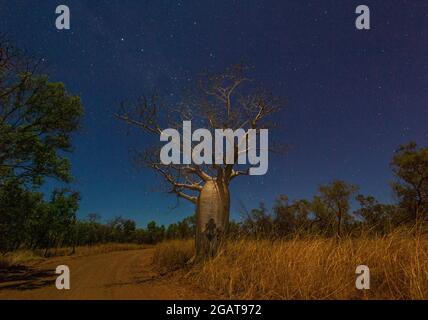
x=222 y=101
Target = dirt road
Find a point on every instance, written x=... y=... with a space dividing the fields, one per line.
x=114 y=275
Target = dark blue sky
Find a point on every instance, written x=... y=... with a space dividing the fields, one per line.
x=353 y=96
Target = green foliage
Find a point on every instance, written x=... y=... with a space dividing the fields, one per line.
x=258 y=222
x=292 y=218
x=328 y=214
x=91 y=231
x=377 y=218
x=26 y=220
x=410 y=166
x=184 y=229
x=37 y=118
x=154 y=233
x=336 y=197
x=18 y=209
x=323 y=219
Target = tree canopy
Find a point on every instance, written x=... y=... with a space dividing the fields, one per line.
x=37 y=119
x=410 y=166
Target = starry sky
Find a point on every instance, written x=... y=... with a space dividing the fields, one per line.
x=353 y=96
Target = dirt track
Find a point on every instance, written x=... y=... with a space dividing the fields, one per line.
x=114 y=275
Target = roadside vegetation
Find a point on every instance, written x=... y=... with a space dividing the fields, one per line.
x=24 y=256
x=311 y=268
x=309 y=249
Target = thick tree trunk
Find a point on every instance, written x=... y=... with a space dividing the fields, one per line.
x=212 y=218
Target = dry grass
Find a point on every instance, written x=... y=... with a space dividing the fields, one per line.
x=311 y=269
x=173 y=255
x=23 y=257
x=18 y=258
x=97 y=249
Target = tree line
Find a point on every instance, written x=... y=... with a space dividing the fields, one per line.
x=31 y=222
x=329 y=212
x=91 y=231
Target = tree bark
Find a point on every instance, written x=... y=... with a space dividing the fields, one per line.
x=212 y=218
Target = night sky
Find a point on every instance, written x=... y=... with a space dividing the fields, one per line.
x=353 y=96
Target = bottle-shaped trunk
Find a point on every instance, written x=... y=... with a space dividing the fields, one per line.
x=212 y=218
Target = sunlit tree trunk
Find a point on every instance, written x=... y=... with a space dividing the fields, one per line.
x=212 y=218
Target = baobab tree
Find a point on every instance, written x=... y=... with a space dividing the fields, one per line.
x=228 y=100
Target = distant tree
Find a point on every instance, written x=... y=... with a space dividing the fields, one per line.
x=129 y=228
x=172 y=231
x=116 y=229
x=410 y=167
x=155 y=233
x=55 y=222
x=336 y=196
x=94 y=217
x=377 y=217
x=324 y=219
x=258 y=223
x=26 y=219
x=184 y=229
x=140 y=236
x=19 y=209
x=292 y=218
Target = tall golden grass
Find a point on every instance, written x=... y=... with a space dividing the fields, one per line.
x=309 y=268
x=17 y=258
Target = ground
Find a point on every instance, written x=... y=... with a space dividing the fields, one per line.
x=115 y=275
